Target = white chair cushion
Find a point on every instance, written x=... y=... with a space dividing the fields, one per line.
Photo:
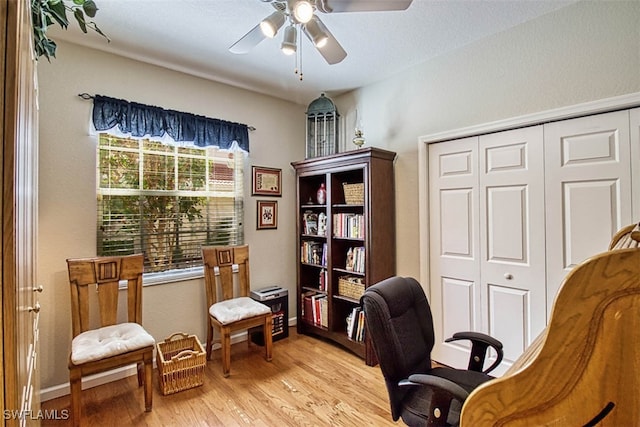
x=109 y=341
x=235 y=309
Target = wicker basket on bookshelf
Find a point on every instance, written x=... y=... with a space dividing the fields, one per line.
x=351 y=287
x=181 y=361
x=353 y=193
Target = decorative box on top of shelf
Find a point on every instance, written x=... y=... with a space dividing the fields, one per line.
x=357 y=241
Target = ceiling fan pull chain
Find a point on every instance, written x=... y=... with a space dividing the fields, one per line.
x=299 y=65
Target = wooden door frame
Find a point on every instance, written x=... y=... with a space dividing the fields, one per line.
x=9 y=19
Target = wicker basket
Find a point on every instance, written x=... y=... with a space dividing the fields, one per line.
x=351 y=287
x=353 y=194
x=181 y=361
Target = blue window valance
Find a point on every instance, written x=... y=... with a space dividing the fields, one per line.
x=140 y=120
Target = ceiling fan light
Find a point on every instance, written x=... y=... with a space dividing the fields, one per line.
x=289 y=46
x=317 y=33
x=272 y=23
x=302 y=11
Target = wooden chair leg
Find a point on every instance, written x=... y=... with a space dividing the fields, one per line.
x=209 y=345
x=140 y=368
x=148 y=381
x=75 y=381
x=226 y=350
x=267 y=331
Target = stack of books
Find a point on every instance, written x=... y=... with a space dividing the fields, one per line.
x=355 y=325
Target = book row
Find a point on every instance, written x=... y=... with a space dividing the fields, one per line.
x=348 y=225
x=313 y=253
x=315 y=309
x=355 y=259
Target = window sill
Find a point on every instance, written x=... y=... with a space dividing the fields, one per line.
x=152 y=279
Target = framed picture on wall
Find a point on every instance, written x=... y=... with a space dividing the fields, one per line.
x=266 y=181
x=267 y=214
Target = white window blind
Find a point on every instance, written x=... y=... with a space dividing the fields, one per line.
x=167 y=201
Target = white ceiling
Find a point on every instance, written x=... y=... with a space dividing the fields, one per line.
x=193 y=36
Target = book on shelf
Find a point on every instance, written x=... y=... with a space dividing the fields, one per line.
x=309 y=222
x=360 y=330
x=324 y=312
x=355 y=259
x=322 y=280
x=322 y=224
x=307 y=306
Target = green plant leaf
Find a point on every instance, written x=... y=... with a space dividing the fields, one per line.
x=99 y=31
x=79 y=15
x=45 y=13
x=90 y=8
x=58 y=12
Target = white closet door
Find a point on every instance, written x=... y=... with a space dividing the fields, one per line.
x=634 y=120
x=512 y=247
x=588 y=189
x=454 y=246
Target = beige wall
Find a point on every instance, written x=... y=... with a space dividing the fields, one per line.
x=67 y=218
x=585 y=52
x=581 y=53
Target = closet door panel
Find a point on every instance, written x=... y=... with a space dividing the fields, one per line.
x=634 y=120
x=454 y=251
x=588 y=189
x=512 y=267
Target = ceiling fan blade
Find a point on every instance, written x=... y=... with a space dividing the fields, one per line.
x=332 y=51
x=248 y=41
x=336 y=6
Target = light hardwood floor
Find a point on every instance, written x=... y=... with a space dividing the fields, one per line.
x=310 y=382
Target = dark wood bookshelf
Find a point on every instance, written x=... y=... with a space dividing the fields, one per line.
x=373 y=169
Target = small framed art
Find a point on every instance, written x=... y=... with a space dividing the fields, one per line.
x=267 y=214
x=266 y=181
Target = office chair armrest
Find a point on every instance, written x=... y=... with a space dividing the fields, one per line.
x=480 y=343
x=443 y=392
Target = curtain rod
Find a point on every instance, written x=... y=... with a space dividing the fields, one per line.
x=86 y=96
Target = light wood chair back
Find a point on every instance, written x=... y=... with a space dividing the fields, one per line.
x=221 y=261
x=104 y=276
x=225 y=263
x=583 y=369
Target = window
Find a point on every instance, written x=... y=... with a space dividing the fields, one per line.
x=166 y=201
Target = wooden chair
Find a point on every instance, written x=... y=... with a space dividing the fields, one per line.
x=583 y=369
x=230 y=311
x=100 y=342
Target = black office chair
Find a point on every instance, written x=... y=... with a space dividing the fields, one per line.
x=400 y=326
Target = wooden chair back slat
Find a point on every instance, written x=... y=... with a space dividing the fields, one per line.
x=131 y=271
x=224 y=258
x=108 y=303
x=105 y=273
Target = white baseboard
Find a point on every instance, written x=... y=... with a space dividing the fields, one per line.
x=60 y=390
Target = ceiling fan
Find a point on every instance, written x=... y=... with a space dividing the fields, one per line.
x=301 y=14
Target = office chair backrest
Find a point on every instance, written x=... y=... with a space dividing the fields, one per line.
x=400 y=324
